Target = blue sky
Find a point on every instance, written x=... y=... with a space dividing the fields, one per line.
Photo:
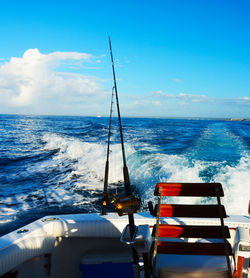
x=173 y=58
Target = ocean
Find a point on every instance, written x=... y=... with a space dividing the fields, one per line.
x=55 y=164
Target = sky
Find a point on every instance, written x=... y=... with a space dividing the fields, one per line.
x=173 y=58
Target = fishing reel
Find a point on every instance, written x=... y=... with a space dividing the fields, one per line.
x=128 y=205
x=124 y=205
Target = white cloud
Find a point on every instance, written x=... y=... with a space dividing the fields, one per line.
x=32 y=82
x=182 y=96
x=145 y=103
x=46 y=84
x=201 y=105
x=160 y=93
x=244 y=98
x=156 y=103
x=185 y=98
x=192 y=98
x=176 y=80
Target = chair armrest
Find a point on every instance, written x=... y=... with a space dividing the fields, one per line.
x=125 y=237
x=242 y=242
x=141 y=240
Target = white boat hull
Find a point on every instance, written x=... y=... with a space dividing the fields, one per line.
x=54 y=246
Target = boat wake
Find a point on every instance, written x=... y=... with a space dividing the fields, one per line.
x=64 y=172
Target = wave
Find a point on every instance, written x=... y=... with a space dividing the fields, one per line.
x=236 y=185
x=87 y=158
x=148 y=166
x=24 y=159
x=70 y=176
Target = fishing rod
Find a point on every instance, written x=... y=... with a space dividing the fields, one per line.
x=105 y=191
x=125 y=168
x=129 y=204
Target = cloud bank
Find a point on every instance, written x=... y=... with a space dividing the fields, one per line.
x=53 y=83
x=32 y=84
x=162 y=104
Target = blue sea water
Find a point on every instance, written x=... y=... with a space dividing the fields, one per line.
x=55 y=164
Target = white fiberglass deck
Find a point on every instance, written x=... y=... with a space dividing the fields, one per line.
x=54 y=246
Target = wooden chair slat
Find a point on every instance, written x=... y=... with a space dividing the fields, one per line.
x=189 y=189
x=191 y=231
x=206 y=211
x=184 y=248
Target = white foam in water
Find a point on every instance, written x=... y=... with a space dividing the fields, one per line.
x=79 y=168
x=146 y=167
x=88 y=159
x=7 y=215
x=236 y=184
x=171 y=168
x=68 y=147
x=177 y=168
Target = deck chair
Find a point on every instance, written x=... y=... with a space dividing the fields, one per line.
x=180 y=242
